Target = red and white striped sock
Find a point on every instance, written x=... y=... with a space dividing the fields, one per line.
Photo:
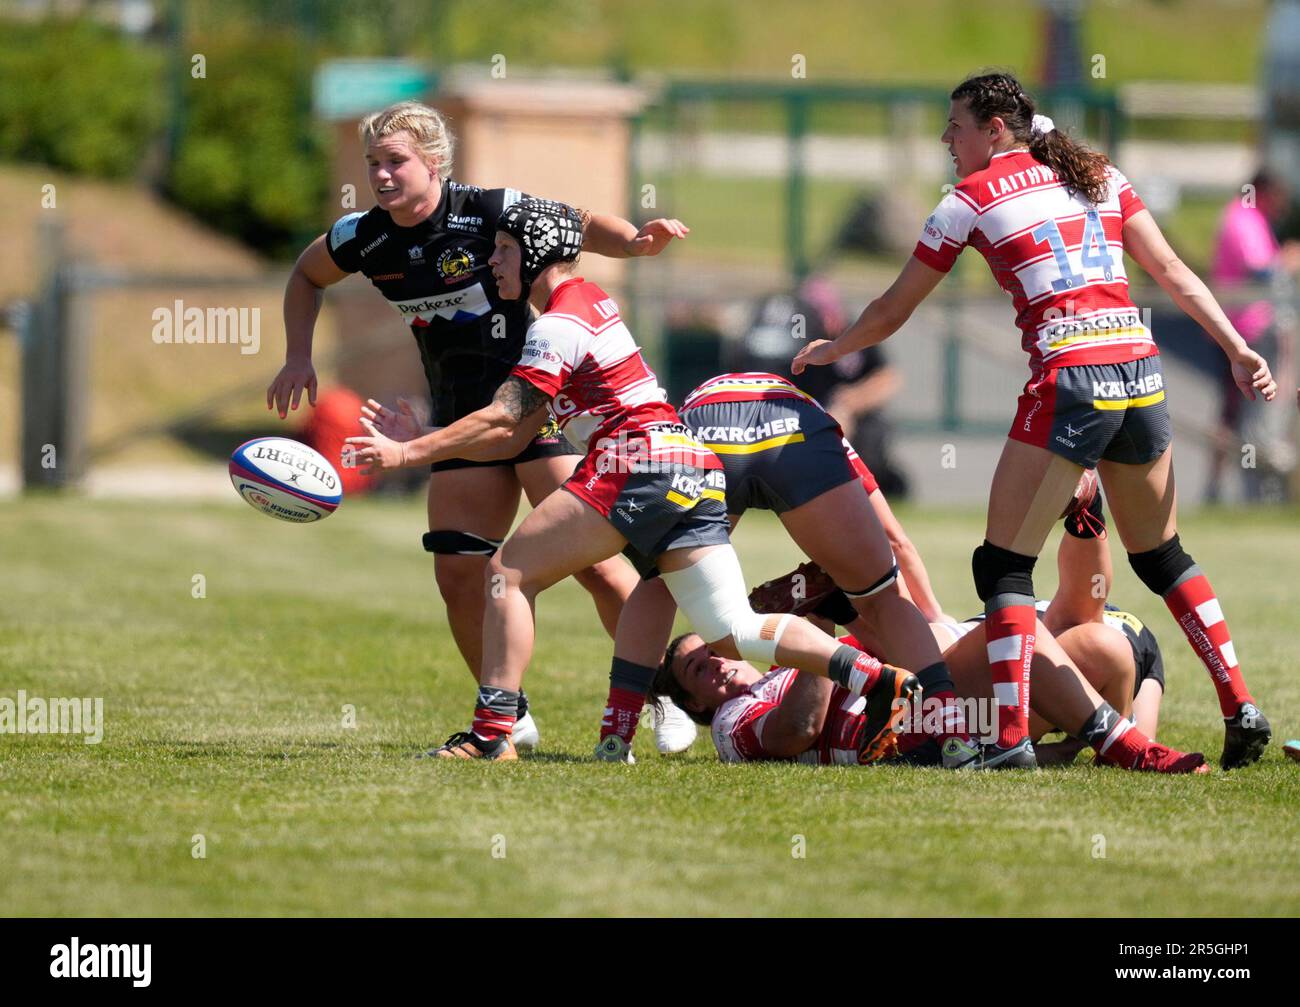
x=1009 y=637
x=1196 y=609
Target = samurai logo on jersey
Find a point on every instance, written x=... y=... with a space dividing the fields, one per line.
x=460 y=306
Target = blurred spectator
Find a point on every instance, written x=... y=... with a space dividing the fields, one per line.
x=1247 y=254
x=854 y=389
x=337 y=416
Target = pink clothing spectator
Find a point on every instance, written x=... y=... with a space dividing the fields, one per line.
x=1245 y=247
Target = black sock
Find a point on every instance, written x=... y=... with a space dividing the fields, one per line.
x=523 y=706
x=841 y=665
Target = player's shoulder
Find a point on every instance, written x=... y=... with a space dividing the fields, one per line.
x=358 y=229
x=583 y=303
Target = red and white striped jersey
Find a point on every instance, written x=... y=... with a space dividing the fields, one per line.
x=744 y=386
x=738 y=723
x=1060 y=257
x=581 y=354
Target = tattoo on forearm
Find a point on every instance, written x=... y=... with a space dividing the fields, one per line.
x=520 y=398
x=584 y=216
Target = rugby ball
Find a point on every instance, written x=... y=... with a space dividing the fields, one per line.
x=286 y=479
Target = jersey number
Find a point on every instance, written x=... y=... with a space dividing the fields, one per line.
x=1094 y=236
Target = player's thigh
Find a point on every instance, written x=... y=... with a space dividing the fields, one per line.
x=543 y=476
x=561 y=536
x=1031 y=487
x=839 y=531
x=968 y=664
x=1104 y=658
x=481 y=500
x=1143 y=501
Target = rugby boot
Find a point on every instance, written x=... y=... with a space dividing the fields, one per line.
x=467 y=745
x=1245 y=737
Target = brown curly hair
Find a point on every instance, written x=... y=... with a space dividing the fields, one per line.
x=1080 y=169
x=665 y=685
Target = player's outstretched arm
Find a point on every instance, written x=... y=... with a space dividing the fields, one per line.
x=610 y=235
x=879 y=320
x=312 y=273
x=516 y=413
x=1145 y=242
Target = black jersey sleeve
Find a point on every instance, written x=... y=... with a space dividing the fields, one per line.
x=495 y=201
x=344 y=241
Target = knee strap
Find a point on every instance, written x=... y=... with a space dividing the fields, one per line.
x=712 y=595
x=876 y=586
x=460 y=543
x=1000 y=571
x=1162 y=567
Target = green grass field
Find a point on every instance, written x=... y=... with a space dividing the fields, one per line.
x=224 y=720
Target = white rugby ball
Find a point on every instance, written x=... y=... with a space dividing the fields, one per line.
x=286 y=479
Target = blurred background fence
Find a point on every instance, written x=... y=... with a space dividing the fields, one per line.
x=178 y=155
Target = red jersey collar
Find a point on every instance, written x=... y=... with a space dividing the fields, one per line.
x=556 y=292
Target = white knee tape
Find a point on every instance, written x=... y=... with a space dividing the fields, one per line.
x=713 y=596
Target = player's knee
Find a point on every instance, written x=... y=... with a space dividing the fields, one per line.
x=602 y=578
x=1001 y=571
x=712 y=594
x=458 y=579
x=1162 y=567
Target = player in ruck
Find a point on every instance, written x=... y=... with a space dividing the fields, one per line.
x=646 y=486
x=782 y=451
x=1054 y=220
x=425 y=247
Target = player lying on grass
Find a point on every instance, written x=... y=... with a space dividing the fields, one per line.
x=782 y=452
x=786 y=715
x=646 y=486
x=1118 y=657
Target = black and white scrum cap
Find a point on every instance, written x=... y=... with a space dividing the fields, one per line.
x=548 y=232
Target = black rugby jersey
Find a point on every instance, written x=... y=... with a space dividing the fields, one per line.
x=436 y=275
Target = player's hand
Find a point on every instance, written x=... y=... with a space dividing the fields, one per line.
x=654 y=237
x=376 y=452
x=1250 y=372
x=285 y=392
x=818 y=353
x=402 y=425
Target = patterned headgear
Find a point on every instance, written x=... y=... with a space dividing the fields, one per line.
x=548 y=232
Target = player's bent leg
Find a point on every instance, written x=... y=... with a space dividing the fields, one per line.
x=561 y=535
x=1031 y=487
x=644 y=628
x=1105 y=660
x=610 y=581
x=709 y=587
x=470 y=513
x=839 y=530
x=1143 y=506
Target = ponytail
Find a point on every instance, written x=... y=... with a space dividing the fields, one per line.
x=1080 y=170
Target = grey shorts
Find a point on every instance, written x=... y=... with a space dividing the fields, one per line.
x=778 y=453
x=1091 y=412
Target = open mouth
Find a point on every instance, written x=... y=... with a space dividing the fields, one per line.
x=386 y=189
